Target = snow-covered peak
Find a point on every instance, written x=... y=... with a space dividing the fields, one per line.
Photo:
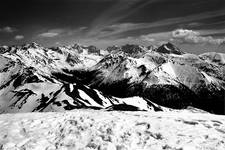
x=111 y=59
x=32 y=45
x=47 y=60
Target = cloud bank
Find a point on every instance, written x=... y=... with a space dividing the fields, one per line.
x=190 y=36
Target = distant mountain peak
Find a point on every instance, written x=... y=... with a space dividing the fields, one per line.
x=169 y=48
x=113 y=48
x=151 y=47
x=77 y=45
x=130 y=49
x=32 y=45
x=83 y=48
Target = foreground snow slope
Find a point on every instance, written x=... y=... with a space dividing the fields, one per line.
x=89 y=129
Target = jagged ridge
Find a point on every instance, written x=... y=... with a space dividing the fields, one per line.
x=34 y=78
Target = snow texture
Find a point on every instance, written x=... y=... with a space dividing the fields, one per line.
x=89 y=129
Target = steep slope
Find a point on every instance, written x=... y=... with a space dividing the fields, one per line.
x=26 y=89
x=171 y=80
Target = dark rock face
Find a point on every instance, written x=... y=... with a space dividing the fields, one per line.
x=133 y=50
x=169 y=48
x=113 y=48
x=78 y=47
x=129 y=49
x=3 y=49
x=71 y=59
x=151 y=47
x=93 y=49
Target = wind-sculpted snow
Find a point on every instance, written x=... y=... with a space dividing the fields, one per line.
x=34 y=78
x=89 y=129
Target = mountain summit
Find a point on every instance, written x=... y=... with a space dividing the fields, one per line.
x=169 y=48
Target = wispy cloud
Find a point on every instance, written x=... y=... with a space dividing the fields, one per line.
x=61 y=32
x=103 y=30
x=117 y=12
x=48 y=34
x=8 y=29
x=51 y=33
x=156 y=38
x=19 y=37
x=76 y=31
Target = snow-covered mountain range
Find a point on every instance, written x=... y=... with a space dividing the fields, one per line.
x=130 y=77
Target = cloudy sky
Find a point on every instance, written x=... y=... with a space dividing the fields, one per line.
x=196 y=26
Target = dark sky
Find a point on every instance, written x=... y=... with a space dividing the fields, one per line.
x=196 y=26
